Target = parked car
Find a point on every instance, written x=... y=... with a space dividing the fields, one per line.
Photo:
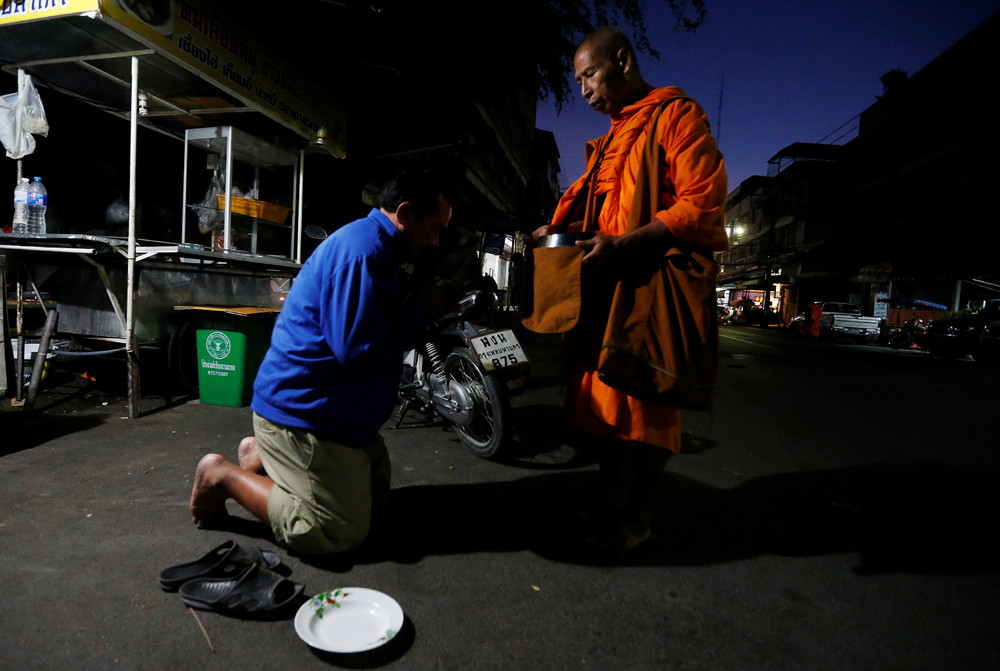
x=840 y=320
x=976 y=333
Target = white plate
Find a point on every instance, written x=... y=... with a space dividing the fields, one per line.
x=348 y=619
x=499 y=349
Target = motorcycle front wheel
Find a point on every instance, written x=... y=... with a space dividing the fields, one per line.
x=899 y=341
x=486 y=432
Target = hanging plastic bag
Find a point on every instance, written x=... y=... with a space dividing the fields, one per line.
x=22 y=115
x=15 y=141
x=117 y=212
x=210 y=217
x=32 y=111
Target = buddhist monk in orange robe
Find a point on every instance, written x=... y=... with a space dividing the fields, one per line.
x=634 y=437
x=813 y=319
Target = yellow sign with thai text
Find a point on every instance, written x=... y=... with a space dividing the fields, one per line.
x=195 y=34
x=21 y=11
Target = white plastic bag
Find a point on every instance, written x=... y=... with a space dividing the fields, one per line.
x=117 y=212
x=32 y=110
x=211 y=216
x=21 y=115
x=15 y=141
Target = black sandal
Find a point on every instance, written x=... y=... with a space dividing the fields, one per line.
x=258 y=592
x=226 y=561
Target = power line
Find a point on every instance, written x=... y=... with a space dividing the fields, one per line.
x=718 y=119
x=852 y=120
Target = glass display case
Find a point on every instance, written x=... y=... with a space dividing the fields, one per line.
x=239 y=193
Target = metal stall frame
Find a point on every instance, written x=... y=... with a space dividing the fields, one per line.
x=240 y=146
x=176 y=52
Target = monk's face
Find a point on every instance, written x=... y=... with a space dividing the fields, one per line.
x=601 y=78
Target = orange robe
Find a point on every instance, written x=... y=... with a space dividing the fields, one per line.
x=812 y=322
x=692 y=207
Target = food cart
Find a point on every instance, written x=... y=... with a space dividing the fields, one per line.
x=178 y=68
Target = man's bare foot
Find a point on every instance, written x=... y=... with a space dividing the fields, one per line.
x=208 y=502
x=249 y=456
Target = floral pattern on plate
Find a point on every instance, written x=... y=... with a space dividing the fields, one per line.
x=321 y=601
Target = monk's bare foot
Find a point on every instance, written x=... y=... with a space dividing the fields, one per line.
x=249 y=456
x=208 y=501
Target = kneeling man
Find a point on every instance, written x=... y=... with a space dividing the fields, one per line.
x=329 y=381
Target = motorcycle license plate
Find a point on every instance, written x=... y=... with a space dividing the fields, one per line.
x=499 y=349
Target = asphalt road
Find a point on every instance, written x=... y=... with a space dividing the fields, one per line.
x=836 y=510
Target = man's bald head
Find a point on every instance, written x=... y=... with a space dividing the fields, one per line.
x=608 y=72
x=607 y=42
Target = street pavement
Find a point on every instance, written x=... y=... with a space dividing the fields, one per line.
x=836 y=510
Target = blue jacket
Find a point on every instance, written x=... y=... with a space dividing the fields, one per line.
x=336 y=351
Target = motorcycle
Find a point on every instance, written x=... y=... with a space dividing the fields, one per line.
x=465 y=372
x=911 y=333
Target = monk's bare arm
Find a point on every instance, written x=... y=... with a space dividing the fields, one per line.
x=697 y=174
x=644 y=244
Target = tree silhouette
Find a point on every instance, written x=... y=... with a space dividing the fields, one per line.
x=478 y=49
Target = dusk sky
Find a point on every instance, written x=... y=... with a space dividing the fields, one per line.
x=789 y=71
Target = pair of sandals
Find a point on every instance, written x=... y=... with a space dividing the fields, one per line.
x=234 y=580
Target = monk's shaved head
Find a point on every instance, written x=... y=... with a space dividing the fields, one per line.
x=608 y=42
x=607 y=71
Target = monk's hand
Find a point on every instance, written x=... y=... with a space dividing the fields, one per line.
x=541 y=232
x=600 y=252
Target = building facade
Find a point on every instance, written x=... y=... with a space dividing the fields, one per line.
x=896 y=218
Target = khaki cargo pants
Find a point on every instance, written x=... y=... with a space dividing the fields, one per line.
x=323 y=493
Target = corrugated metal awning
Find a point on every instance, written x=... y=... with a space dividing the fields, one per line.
x=196 y=70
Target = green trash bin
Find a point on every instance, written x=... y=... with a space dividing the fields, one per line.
x=231 y=343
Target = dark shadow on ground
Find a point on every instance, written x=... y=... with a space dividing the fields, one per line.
x=24 y=429
x=923 y=518
x=541 y=440
x=538 y=437
x=99 y=385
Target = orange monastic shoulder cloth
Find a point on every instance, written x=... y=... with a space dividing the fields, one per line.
x=692 y=207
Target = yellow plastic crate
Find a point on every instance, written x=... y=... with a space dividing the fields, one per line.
x=256 y=208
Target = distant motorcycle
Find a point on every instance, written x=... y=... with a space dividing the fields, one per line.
x=464 y=372
x=911 y=333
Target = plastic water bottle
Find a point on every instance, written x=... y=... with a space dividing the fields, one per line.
x=20 y=223
x=38 y=200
